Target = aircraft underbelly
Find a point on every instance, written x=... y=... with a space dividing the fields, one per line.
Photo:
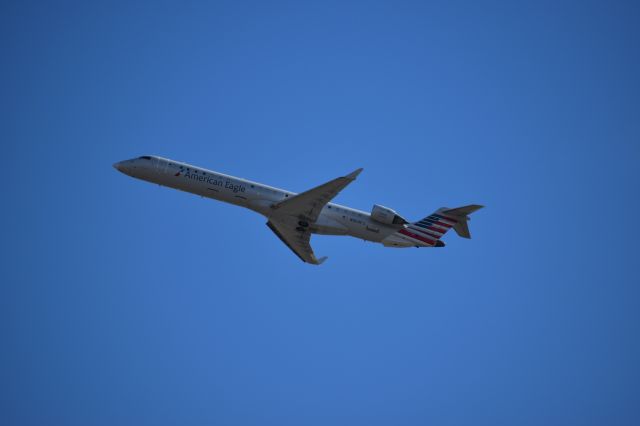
x=327 y=226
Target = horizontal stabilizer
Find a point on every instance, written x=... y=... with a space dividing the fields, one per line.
x=461 y=215
x=463 y=211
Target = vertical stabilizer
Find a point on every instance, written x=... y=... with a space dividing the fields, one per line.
x=461 y=216
x=428 y=231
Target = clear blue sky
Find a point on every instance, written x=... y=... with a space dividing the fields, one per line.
x=127 y=303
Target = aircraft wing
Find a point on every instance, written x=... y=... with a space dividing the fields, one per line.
x=297 y=241
x=307 y=205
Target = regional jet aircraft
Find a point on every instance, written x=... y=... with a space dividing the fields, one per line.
x=294 y=217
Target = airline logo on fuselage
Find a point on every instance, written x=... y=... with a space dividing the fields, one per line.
x=211 y=180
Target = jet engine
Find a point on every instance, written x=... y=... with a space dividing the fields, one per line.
x=387 y=216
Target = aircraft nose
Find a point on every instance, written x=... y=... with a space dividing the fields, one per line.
x=120 y=166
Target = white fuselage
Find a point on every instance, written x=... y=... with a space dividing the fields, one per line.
x=333 y=220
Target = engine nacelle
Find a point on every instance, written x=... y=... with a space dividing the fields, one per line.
x=387 y=216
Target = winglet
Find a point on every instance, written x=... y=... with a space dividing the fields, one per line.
x=354 y=174
x=321 y=260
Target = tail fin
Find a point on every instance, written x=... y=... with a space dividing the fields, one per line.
x=428 y=231
x=434 y=226
x=461 y=217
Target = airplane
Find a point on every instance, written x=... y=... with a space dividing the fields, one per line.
x=294 y=217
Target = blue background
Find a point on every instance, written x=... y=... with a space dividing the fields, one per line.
x=127 y=303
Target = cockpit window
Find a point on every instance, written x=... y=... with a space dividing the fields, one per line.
x=145 y=157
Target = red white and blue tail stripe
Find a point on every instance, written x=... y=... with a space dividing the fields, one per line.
x=428 y=231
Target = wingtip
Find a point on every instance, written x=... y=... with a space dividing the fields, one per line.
x=355 y=173
x=322 y=259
